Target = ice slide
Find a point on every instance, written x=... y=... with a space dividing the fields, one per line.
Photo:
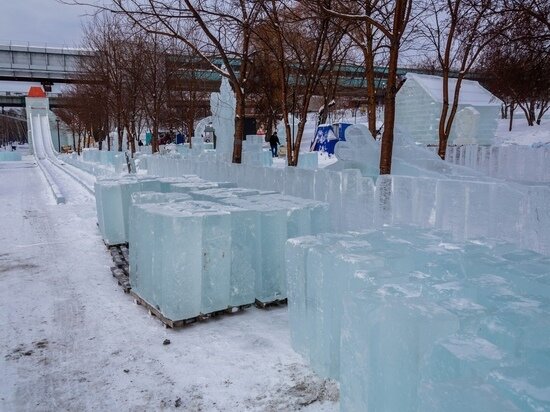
x=59 y=175
x=43 y=151
x=47 y=138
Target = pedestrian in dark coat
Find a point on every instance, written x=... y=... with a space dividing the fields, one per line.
x=274 y=143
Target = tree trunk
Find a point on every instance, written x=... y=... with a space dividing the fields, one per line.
x=527 y=112
x=154 y=138
x=386 y=149
x=442 y=149
x=239 y=127
x=371 y=86
x=532 y=117
x=543 y=109
x=120 y=135
x=297 y=144
x=511 y=108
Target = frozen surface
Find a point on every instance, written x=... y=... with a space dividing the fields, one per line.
x=410 y=320
x=69 y=333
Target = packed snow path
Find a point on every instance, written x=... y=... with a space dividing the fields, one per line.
x=70 y=339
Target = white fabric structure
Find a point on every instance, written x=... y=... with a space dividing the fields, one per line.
x=418 y=109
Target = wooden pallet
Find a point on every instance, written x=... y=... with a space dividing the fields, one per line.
x=153 y=311
x=269 y=304
x=122 y=278
x=121 y=270
x=169 y=323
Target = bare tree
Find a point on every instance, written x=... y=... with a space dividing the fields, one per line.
x=189 y=96
x=516 y=66
x=370 y=41
x=306 y=47
x=392 y=22
x=458 y=31
x=156 y=79
x=215 y=30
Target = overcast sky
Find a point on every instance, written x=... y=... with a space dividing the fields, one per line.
x=41 y=21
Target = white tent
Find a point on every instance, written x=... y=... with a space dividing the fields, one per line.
x=418 y=109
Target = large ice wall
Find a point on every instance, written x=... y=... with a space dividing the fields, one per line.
x=419 y=103
x=113 y=197
x=518 y=213
x=410 y=320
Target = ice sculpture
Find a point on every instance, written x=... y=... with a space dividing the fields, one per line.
x=466 y=124
x=281 y=131
x=418 y=109
x=201 y=125
x=358 y=151
x=223 y=105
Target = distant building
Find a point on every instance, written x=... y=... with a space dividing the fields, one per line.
x=418 y=108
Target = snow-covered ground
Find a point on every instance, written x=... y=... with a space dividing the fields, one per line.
x=522 y=133
x=70 y=339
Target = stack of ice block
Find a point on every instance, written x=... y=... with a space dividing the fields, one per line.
x=243 y=234
x=107 y=158
x=281 y=217
x=113 y=201
x=183 y=255
x=408 y=320
x=253 y=153
x=141 y=236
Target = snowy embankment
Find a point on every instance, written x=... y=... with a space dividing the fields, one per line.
x=71 y=340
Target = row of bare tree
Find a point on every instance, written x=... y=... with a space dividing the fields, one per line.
x=279 y=54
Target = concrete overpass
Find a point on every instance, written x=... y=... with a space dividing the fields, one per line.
x=44 y=64
x=10 y=99
x=48 y=65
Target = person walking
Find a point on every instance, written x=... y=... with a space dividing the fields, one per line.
x=274 y=143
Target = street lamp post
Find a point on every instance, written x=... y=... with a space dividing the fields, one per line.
x=58 y=139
